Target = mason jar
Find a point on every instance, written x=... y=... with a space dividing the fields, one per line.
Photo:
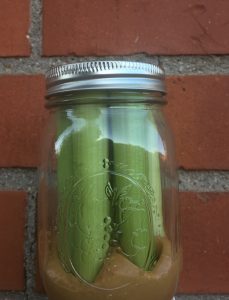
x=108 y=207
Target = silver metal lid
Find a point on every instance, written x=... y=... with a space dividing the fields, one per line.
x=105 y=75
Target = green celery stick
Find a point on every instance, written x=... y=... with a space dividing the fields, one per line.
x=63 y=147
x=153 y=173
x=89 y=214
x=88 y=229
x=135 y=220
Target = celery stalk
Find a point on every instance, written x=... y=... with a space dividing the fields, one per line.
x=63 y=147
x=89 y=213
x=135 y=218
x=83 y=220
x=153 y=173
x=88 y=202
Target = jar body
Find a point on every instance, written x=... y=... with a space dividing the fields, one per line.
x=108 y=212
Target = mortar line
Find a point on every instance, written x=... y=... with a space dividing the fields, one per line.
x=35 y=33
x=195 y=181
x=35 y=36
x=30 y=244
x=173 y=65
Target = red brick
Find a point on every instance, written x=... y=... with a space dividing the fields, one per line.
x=14 y=26
x=205 y=242
x=198 y=110
x=100 y=27
x=12 y=224
x=22 y=118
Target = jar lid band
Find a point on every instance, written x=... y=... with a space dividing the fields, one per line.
x=105 y=75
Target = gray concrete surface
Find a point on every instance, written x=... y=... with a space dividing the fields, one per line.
x=12 y=296
x=35 y=29
x=30 y=245
x=195 y=65
x=204 y=181
x=18 y=179
x=173 y=65
x=199 y=181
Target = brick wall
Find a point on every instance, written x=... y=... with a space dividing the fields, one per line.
x=189 y=38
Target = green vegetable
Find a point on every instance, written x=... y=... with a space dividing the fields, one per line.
x=91 y=208
x=83 y=208
x=135 y=220
x=63 y=147
x=96 y=207
x=154 y=173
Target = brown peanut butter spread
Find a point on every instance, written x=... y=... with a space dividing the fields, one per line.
x=119 y=278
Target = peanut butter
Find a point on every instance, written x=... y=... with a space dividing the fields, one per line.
x=119 y=278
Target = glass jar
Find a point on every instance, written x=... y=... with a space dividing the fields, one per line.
x=108 y=207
